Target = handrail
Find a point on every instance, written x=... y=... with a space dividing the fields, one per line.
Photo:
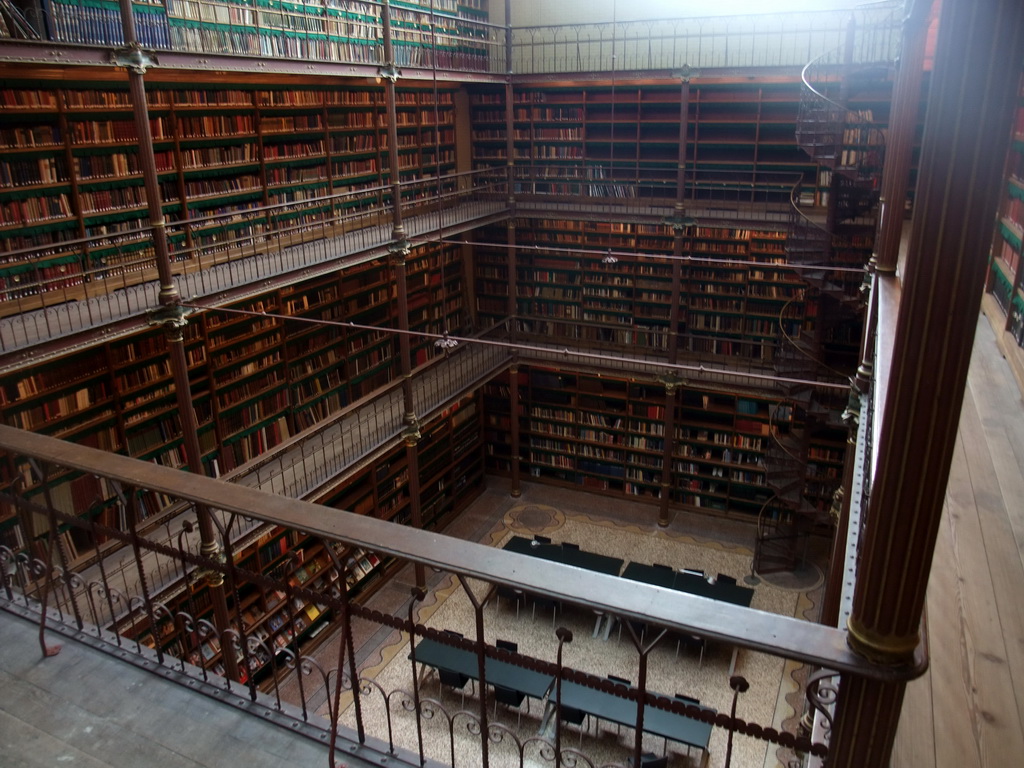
x=668 y=44
x=840 y=114
x=768 y=633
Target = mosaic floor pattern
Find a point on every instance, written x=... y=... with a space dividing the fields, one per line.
x=769 y=701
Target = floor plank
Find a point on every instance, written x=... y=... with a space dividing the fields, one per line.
x=967 y=703
x=990 y=567
x=915 y=746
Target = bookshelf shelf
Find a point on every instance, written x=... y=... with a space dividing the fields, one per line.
x=344 y=30
x=607 y=435
x=566 y=289
x=1005 y=273
x=255 y=379
x=71 y=169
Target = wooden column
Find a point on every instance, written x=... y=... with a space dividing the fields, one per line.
x=398 y=251
x=965 y=143
x=510 y=178
x=678 y=242
x=861 y=385
x=171 y=317
x=513 y=426
x=899 y=144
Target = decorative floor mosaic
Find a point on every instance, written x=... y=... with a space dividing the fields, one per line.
x=770 y=701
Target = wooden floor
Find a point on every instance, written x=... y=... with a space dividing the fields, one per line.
x=967 y=711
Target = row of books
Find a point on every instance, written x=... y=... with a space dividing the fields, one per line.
x=21 y=172
x=97 y=24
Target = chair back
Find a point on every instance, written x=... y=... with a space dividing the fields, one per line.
x=452 y=679
x=571 y=715
x=508 y=697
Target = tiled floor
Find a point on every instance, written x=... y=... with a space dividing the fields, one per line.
x=608 y=526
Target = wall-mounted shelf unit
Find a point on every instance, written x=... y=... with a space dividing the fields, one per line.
x=69 y=169
x=255 y=379
x=607 y=435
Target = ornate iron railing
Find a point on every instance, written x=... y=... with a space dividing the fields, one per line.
x=111 y=279
x=41 y=582
x=766 y=40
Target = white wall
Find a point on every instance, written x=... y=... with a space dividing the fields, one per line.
x=577 y=36
x=543 y=12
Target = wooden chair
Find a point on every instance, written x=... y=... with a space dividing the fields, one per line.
x=454 y=680
x=513 y=699
x=573 y=716
x=545 y=603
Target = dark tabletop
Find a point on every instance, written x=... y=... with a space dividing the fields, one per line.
x=500 y=673
x=565 y=555
x=690 y=583
x=608 y=706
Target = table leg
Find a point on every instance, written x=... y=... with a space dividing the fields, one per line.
x=549 y=708
x=608 y=626
x=597 y=623
x=425 y=671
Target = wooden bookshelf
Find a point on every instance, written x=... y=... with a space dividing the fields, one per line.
x=451 y=471
x=255 y=379
x=69 y=168
x=444 y=33
x=451 y=476
x=278 y=618
x=604 y=134
x=1005 y=277
x=607 y=435
x=735 y=308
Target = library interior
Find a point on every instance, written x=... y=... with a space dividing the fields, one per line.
x=489 y=383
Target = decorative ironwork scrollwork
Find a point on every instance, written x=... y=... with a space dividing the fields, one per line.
x=822 y=692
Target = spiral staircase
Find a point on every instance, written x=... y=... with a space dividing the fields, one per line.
x=849 y=149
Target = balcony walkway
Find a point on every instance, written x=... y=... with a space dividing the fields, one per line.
x=85 y=708
x=96 y=311
x=304 y=464
x=242 y=276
